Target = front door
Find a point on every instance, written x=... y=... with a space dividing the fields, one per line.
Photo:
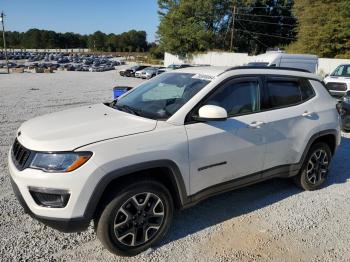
x=222 y=151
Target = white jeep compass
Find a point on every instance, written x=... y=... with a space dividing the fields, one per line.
x=173 y=141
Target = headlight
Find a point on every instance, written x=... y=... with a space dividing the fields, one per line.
x=59 y=162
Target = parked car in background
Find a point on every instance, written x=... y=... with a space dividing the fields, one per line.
x=150 y=72
x=176 y=66
x=139 y=73
x=338 y=82
x=131 y=71
x=281 y=59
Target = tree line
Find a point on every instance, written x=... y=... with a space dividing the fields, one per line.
x=131 y=41
x=300 y=26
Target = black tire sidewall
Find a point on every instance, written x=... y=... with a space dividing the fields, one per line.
x=302 y=180
x=105 y=223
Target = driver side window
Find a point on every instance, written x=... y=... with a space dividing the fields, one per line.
x=238 y=97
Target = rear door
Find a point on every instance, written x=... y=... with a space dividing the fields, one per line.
x=290 y=119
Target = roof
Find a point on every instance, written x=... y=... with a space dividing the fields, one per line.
x=214 y=71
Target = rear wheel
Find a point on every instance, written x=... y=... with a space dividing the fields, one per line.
x=136 y=218
x=315 y=167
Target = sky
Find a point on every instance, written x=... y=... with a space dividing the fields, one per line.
x=82 y=16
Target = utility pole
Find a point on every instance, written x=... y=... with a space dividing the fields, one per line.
x=3 y=36
x=233 y=27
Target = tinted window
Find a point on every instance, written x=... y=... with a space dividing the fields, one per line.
x=237 y=97
x=306 y=90
x=283 y=92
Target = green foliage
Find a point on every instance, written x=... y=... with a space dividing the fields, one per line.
x=323 y=28
x=131 y=41
x=156 y=52
x=188 y=26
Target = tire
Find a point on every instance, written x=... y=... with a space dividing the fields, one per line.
x=315 y=168
x=116 y=227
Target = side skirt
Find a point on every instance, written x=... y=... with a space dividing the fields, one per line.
x=284 y=171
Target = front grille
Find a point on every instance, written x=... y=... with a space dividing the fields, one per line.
x=20 y=155
x=336 y=86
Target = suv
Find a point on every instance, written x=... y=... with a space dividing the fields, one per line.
x=171 y=142
x=338 y=82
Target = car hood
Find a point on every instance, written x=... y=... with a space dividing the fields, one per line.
x=73 y=128
x=337 y=79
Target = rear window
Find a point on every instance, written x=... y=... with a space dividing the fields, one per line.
x=306 y=89
x=283 y=93
x=287 y=92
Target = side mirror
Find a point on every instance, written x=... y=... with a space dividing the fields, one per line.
x=211 y=113
x=347 y=93
x=327 y=75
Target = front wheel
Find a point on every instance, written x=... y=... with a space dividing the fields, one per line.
x=136 y=218
x=315 y=167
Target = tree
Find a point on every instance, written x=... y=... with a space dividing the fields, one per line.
x=199 y=25
x=97 y=41
x=323 y=28
x=34 y=38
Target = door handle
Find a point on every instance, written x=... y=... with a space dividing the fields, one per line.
x=307 y=114
x=256 y=124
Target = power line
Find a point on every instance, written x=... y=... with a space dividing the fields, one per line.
x=257 y=33
x=271 y=16
x=254 y=37
x=262 y=22
x=264 y=7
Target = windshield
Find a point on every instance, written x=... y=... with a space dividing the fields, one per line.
x=343 y=70
x=162 y=96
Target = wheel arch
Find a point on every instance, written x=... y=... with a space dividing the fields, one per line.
x=164 y=171
x=327 y=136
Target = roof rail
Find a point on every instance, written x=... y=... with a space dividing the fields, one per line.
x=268 y=67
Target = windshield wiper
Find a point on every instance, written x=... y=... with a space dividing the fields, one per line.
x=127 y=109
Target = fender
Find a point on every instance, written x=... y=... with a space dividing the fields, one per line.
x=313 y=138
x=176 y=178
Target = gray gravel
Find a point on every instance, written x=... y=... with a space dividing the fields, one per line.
x=270 y=221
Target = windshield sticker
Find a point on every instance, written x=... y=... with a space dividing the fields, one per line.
x=203 y=77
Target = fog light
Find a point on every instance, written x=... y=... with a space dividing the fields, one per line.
x=49 y=197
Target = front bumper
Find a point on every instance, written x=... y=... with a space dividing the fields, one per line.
x=80 y=183
x=64 y=225
x=337 y=94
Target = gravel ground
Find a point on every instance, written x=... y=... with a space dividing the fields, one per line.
x=270 y=221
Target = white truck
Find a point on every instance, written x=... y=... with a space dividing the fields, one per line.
x=281 y=59
x=338 y=82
